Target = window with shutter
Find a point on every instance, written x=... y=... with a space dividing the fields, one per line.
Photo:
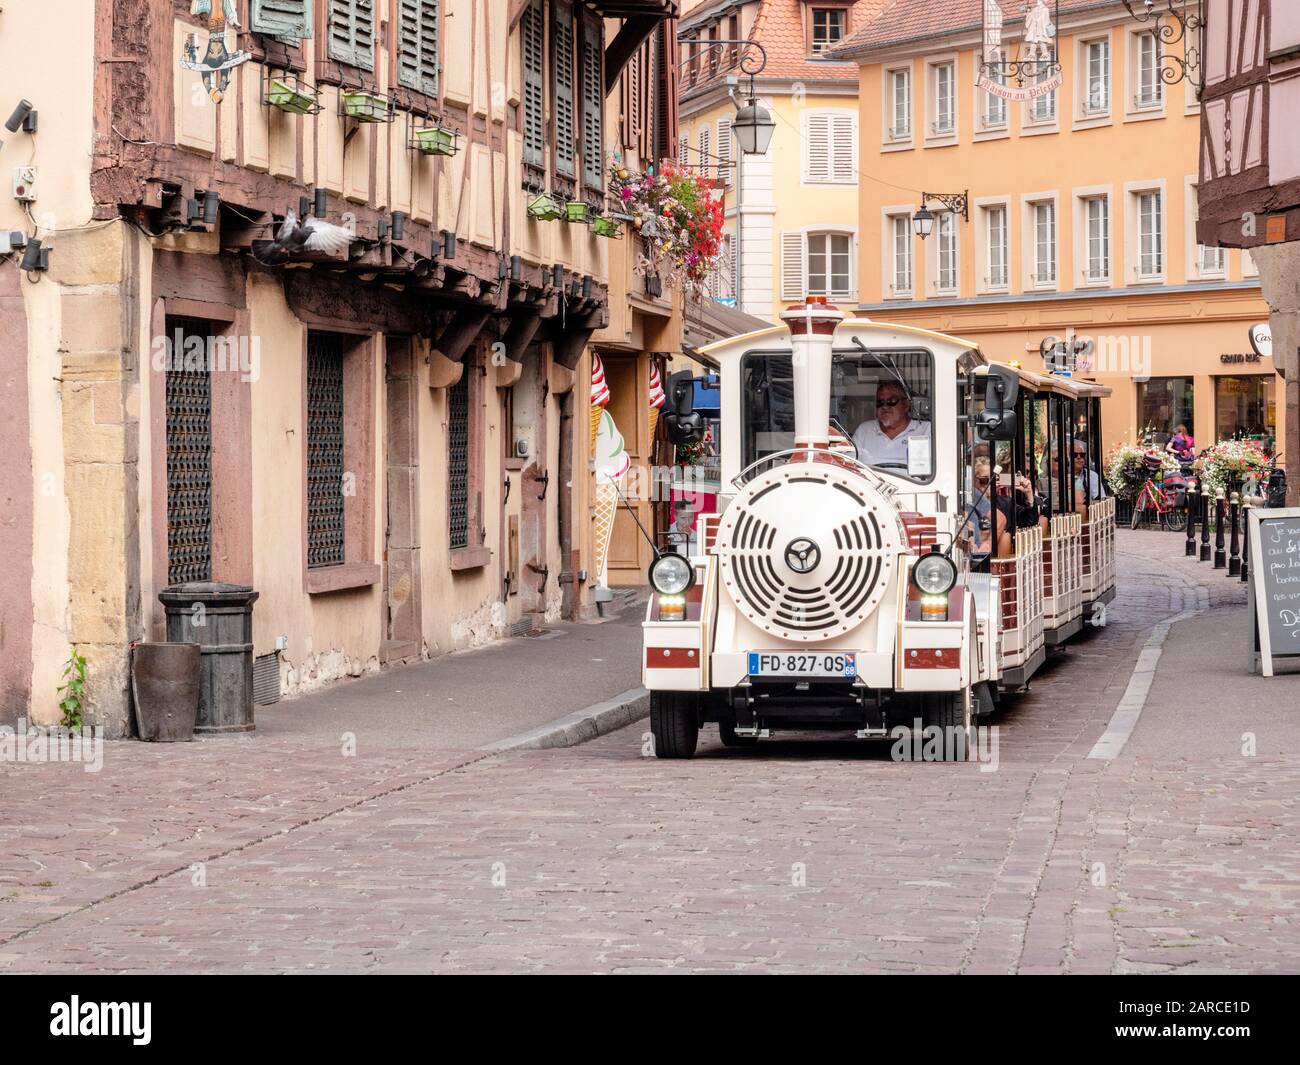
x=817 y=147
x=417 y=45
x=593 y=103
x=844 y=136
x=724 y=150
x=352 y=32
x=281 y=18
x=705 y=157
x=563 y=87
x=533 y=34
x=683 y=149
x=792 y=266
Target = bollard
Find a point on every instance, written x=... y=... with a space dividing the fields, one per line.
x=1190 y=502
x=1234 y=549
x=1220 y=505
x=1245 y=541
x=1205 y=524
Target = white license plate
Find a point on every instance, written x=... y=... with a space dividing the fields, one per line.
x=802 y=664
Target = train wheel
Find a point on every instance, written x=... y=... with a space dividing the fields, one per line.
x=949 y=711
x=727 y=733
x=674 y=724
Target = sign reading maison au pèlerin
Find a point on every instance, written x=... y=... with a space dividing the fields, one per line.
x=1025 y=65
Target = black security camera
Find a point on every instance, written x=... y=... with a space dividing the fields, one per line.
x=23 y=116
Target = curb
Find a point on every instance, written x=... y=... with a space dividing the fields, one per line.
x=581 y=726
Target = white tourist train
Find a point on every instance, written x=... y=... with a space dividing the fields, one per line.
x=904 y=531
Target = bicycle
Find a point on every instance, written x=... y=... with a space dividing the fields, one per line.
x=1167 y=498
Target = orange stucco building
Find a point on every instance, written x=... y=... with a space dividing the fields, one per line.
x=1080 y=211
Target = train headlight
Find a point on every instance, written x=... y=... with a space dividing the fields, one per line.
x=671 y=575
x=934 y=574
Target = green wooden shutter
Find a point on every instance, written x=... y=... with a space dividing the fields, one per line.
x=566 y=134
x=533 y=32
x=417 y=45
x=281 y=18
x=593 y=103
x=352 y=32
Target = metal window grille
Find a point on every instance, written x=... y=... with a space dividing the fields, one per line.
x=188 y=387
x=324 y=450
x=458 y=457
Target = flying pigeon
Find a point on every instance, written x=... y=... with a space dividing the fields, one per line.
x=312 y=235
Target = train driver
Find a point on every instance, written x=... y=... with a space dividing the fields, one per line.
x=894 y=439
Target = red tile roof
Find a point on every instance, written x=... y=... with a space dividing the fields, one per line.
x=905 y=21
x=780 y=28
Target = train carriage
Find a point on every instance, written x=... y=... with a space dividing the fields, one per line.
x=901 y=536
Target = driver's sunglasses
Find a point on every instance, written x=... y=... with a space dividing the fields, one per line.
x=981 y=482
x=888 y=402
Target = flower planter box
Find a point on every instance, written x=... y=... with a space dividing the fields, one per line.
x=543 y=208
x=577 y=211
x=607 y=227
x=291 y=96
x=434 y=141
x=365 y=106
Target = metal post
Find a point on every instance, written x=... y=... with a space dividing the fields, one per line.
x=1205 y=523
x=1234 y=550
x=1245 y=541
x=1220 y=515
x=1190 y=502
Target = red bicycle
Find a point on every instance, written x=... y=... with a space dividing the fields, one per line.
x=1164 y=497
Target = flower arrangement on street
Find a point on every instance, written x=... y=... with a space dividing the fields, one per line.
x=1229 y=461
x=1128 y=467
x=677 y=215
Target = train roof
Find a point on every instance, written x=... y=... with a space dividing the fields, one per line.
x=1074 y=387
x=855 y=325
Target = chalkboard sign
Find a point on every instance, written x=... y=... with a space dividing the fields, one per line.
x=1274 y=585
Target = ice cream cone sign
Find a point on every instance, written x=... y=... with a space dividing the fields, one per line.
x=657 y=400
x=611 y=462
x=599 y=395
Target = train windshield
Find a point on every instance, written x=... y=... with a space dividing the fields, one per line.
x=881 y=400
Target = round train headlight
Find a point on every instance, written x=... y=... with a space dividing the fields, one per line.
x=934 y=574
x=671 y=574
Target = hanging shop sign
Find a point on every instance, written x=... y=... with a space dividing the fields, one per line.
x=1030 y=67
x=1261 y=339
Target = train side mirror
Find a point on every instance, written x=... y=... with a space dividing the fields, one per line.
x=997 y=421
x=685 y=425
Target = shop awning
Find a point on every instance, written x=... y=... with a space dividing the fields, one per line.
x=705 y=321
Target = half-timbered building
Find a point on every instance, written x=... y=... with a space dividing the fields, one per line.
x=287 y=321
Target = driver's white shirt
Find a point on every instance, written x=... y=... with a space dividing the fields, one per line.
x=875 y=448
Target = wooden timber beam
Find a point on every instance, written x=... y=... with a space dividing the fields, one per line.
x=631 y=35
x=463 y=329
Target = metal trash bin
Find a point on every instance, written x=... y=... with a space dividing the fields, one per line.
x=218 y=617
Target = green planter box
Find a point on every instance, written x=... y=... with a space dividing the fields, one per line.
x=435 y=141
x=291 y=98
x=606 y=227
x=543 y=208
x=365 y=106
x=577 y=211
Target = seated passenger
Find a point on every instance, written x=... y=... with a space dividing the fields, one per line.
x=895 y=440
x=1096 y=489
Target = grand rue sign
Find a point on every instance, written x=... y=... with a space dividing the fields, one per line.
x=1024 y=66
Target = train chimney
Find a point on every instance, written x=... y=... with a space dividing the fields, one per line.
x=812 y=330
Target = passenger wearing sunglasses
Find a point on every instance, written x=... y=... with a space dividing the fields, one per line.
x=886 y=441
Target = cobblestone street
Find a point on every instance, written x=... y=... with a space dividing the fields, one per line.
x=276 y=853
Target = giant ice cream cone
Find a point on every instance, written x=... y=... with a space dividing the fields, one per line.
x=612 y=462
x=599 y=395
x=657 y=400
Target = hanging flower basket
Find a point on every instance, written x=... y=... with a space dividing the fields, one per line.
x=366 y=106
x=679 y=219
x=577 y=211
x=543 y=208
x=607 y=227
x=434 y=141
x=292 y=96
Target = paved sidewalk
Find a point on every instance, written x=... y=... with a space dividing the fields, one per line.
x=470 y=699
x=284 y=853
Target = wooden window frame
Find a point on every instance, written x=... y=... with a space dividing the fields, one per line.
x=331 y=71
x=406 y=97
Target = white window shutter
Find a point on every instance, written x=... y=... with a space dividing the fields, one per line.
x=705 y=158
x=724 y=150
x=817 y=148
x=843 y=154
x=793 y=262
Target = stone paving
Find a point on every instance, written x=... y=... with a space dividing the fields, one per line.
x=282 y=854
